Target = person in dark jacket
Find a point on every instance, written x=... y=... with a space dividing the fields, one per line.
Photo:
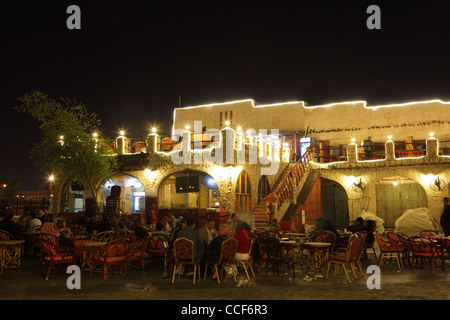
x=445 y=217
x=98 y=223
x=7 y=224
x=215 y=247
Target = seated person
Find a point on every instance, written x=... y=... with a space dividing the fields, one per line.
x=213 y=253
x=35 y=223
x=208 y=232
x=22 y=224
x=98 y=223
x=117 y=223
x=273 y=225
x=242 y=235
x=7 y=224
x=358 y=226
x=139 y=229
x=159 y=232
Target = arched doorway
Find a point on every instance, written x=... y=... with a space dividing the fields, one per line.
x=263 y=188
x=395 y=195
x=334 y=203
x=243 y=193
x=123 y=193
x=73 y=197
x=188 y=189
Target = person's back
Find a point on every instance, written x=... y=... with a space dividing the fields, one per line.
x=7 y=224
x=192 y=234
x=445 y=217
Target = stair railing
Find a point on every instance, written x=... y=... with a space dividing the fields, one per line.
x=284 y=189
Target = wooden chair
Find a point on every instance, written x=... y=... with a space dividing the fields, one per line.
x=404 y=241
x=423 y=250
x=429 y=234
x=362 y=241
x=369 y=244
x=183 y=253
x=105 y=236
x=227 y=258
x=389 y=249
x=246 y=263
x=137 y=250
x=346 y=260
x=5 y=235
x=275 y=258
x=113 y=254
x=54 y=254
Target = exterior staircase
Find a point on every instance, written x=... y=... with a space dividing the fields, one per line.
x=289 y=186
x=260 y=212
x=261 y=216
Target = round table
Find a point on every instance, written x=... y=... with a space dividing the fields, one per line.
x=317 y=253
x=87 y=256
x=10 y=252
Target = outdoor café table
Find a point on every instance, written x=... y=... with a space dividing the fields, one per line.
x=317 y=253
x=290 y=246
x=292 y=235
x=10 y=252
x=88 y=252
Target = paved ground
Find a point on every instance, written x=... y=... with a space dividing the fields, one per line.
x=28 y=284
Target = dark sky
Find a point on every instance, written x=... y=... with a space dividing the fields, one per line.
x=132 y=59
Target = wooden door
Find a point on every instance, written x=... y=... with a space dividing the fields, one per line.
x=392 y=200
x=334 y=203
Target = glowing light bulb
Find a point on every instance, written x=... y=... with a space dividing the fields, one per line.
x=153 y=130
x=227 y=123
x=122 y=132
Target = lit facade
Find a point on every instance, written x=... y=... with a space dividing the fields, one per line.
x=236 y=154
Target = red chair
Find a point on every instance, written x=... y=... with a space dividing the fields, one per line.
x=5 y=235
x=389 y=249
x=183 y=253
x=227 y=257
x=347 y=259
x=325 y=236
x=137 y=250
x=54 y=254
x=428 y=234
x=113 y=254
x=423 y=250
x=403 y=241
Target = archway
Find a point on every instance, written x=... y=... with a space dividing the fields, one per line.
x=73 y=197
x=123 y=193
x=263 y=188
x=334 y=203
x=243 y=193
x=188 y=189
x=395 y=195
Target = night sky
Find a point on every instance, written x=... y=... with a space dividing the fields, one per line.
x=132 y=59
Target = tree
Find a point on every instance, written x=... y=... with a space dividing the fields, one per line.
x=68 y=145
x=8 y=187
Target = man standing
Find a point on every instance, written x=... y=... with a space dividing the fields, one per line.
x=445 y=218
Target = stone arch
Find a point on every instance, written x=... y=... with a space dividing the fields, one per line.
x=201 y=190
x=243 y=193
x=132 y=192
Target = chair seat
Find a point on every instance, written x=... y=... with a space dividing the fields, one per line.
x=338 y=257
x=110 y=259
x=60 y=257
